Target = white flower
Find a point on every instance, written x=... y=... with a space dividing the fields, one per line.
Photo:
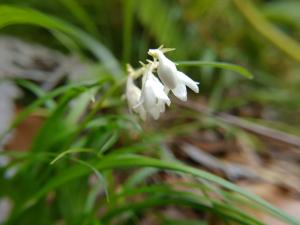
x=133 y=95
x=153 y=96
x=173 y=79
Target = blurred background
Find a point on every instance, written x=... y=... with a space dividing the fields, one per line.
x=246 y=131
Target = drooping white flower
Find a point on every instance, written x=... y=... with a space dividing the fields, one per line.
x=173 y=79
x=133 y=95
x=153 y=96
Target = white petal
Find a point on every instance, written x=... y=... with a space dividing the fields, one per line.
x=133 y=93
x=180 y=92
x=135 y=101
x=166 y=90
x=155 y=113
x=149 y=97
x=140 y=102
x=134 y=98
x=157 y=82
x=161 y=106
x=167 y=71
x=188 y=81
x=159 y=91
x=142 y=112
x=153 y=95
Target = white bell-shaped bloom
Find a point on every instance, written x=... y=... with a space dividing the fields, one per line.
x=173 y=79
x=153 y=96
x=133 y=95
x=180 y=90
x=166 y=68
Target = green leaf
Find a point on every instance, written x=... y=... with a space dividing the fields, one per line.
x=165 y=195
x=39 y=92
x=222 y=65
x=70 y=151
x=109 y=140
x=129 y=161
x=13 y=15
x=81 y=87
x=101 y=180
x=138 y=177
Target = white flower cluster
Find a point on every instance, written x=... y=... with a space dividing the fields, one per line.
x=153 y=96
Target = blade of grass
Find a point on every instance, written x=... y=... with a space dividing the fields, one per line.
x=138 y=177
x=99 y=176
x=78 y=86
x=222 y=65
x=166 y=190
x=70 y=151
x=160 y=193
x=109 y=141
x=128 y=161
x=37 y=91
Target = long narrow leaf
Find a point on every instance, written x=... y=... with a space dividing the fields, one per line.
x=128 y=161
x=222 y=65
